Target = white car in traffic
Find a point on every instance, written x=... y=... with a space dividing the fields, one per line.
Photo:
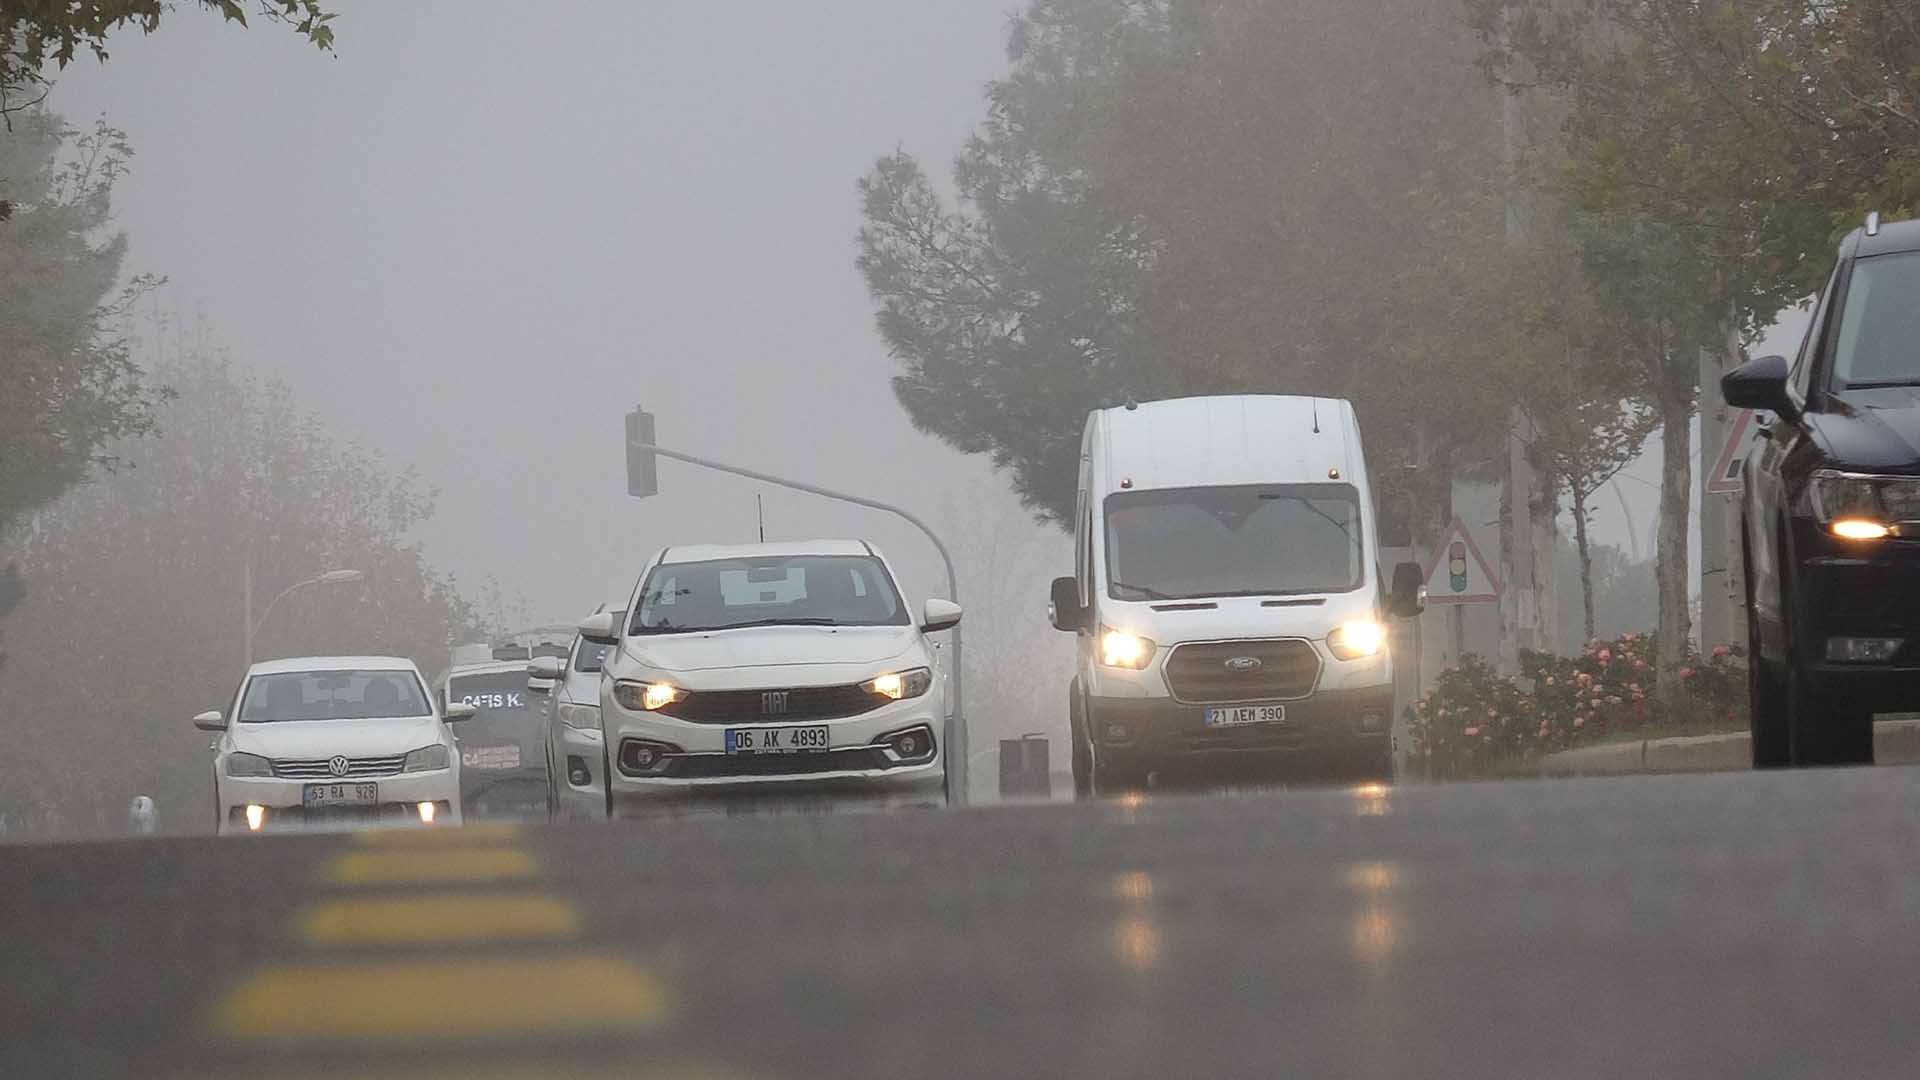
x=334 y=740
x=771 y=663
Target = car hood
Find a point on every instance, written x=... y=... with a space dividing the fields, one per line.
x=325 y=738
x=1871 y=430
x=771 y=646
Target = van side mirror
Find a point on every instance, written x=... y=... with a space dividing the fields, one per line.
x=1064 y=607
x=1408 y=596
x=210 y=721
x=1760 y=383
x=600 y=628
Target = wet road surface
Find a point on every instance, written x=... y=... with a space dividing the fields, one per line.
x=1726 y=925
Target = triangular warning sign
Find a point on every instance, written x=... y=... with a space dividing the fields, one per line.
x=1459 y=574
x=1725 y=477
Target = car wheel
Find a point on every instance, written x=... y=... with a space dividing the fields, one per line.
x=1823 y=728
x=1078 y=747
x=1766 y=698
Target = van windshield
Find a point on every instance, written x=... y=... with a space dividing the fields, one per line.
x=1256 y=540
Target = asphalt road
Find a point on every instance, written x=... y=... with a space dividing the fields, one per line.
x=1727 y=925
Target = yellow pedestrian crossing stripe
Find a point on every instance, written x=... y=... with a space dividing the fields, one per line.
x=437 y=919
x=427 y=866
x=469 y=835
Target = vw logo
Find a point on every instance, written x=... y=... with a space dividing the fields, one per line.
x=337 y=765
x=1243 y=663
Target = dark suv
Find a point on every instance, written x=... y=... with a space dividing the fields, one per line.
x=1831 y=515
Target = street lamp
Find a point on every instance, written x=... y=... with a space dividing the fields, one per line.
x=331 y=577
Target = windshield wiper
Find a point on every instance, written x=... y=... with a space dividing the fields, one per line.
x=1883 y=384
x=778 y=621
x=1151 y=594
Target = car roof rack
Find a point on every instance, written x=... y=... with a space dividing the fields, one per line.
x=1873 y=223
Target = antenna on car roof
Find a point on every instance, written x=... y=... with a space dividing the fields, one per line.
x=1873 y=223
x=1316 y=414
x=760 y=506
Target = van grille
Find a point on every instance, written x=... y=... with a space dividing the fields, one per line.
x=322 y=769
x=1221 y=672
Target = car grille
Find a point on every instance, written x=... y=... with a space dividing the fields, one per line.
x=751 y=706
x=322 y=768
x=1216 y=672
x=711 y=766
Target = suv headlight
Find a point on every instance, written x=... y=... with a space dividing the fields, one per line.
x=580 y=717
x=248 y=765
x=646 y=696
x=426 y=759
x=1863 y=507
x=1357 y=640
x=1123 y=650
x=896 y=685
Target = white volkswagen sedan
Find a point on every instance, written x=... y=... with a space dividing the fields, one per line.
x=333 y=740
x=771 y=663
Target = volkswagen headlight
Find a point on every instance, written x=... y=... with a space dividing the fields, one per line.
x=1863 y=507
x=248 y=765
x=900 y=684
x=1120 y=649
x=426 y=759
x=580 y=717
x=1357 y=640
x=645 y=696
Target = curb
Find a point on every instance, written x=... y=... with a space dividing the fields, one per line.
x=1895 y=742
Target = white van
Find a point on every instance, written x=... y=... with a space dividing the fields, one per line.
x=1227 y=594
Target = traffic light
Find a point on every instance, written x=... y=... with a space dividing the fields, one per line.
x=643 y=469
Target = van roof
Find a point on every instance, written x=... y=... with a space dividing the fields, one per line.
x=1239 y=439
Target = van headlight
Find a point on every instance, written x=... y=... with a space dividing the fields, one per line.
x=1863 y=507
x=1123 y=650
x=426 y=759
x=646 y=696
x=580 y=717
x=896 y=685
x=1357 y=640
x=248 y=765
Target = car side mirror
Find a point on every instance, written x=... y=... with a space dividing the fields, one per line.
x=544 y=667
x=1409 y=594
x=542 y=687
x=459 y=710
x=1760 y=383
x=600 y=628
x=210 y=721
x=939 y=615
x=1064 y=609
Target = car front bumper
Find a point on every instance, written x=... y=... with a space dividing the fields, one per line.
x=1355 y=722
x=579 y=754
x=697 y=754
x=399 y=798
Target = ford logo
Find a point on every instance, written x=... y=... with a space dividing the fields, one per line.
x=1243 y=663
x=337 y=766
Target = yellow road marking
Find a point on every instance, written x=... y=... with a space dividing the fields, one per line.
x=491 y=833
x=437 y=919
x=546 y=1070
x=419 y=1001
x=438 y=865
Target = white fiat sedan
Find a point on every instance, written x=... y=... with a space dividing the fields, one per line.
x=771 y=663
x=334 y=740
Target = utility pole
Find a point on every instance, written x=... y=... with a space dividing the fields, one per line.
x=1722 y=577
x=1519 y=604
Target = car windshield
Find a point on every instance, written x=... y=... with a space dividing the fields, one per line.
x=1879 y=339
x=820 y=590
x=1183 y=543
x=493 y=694
x=332 y=695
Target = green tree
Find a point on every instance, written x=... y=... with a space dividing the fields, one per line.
x=71 y=385
x=1185 y=198
x=42 y=32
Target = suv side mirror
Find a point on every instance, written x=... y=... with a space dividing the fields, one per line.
x=544 y=667
x=1760 y=383
x=210 y=721
x=1409 y=594
x=600 y=628
x=1064 y=607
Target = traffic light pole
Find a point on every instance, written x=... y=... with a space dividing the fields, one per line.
x=956 y=734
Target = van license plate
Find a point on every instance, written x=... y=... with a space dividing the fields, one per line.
x=779 y=740
x=1237 y=715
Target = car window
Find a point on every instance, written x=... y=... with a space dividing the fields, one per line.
x=332 y=695
x=724 y=593
x=1879 y=331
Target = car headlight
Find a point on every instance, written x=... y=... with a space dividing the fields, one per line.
x=248 y=765
x=646 y=696
x=1357 y=640
x=1863 y=507
x=580 y=717
x=1123 y=650
x=426 y=759
x=896 y=685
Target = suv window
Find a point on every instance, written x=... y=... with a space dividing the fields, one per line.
x=1880 y=324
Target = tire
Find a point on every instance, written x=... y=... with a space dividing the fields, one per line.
x=1079 y=747
x=1766 y=697
x=1823 y=728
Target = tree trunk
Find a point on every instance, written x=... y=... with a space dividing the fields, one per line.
x=1586 y=560
x=1671 y=570
x=1543 y=514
